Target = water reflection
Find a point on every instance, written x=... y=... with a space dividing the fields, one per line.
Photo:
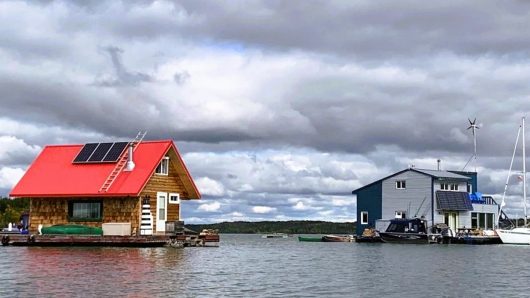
x=249 y=266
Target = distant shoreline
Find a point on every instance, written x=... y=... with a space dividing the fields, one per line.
x=288 y=227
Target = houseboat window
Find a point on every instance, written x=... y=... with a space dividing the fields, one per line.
x=400 y=184
x=444 y=186
x=454 y=186
x=482 y=220
x=364 y=217
x=163 y=166
x=401 y=214
x=469 y=188
x=85 y=211
x=397 y=227
x=174 y=198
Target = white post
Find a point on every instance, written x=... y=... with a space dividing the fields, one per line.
x=475 y=148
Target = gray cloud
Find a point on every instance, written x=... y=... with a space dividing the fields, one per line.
x=123 y=77
x=348 y=91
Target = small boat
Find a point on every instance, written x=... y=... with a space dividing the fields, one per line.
x=406 y=230
x=309 y=239
x=71 y=230
x=275 y=235
x=209 y=235
x=369 y=235
x=336 y=238
x=476 y=236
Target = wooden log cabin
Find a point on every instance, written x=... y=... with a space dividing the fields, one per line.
x=136 y=187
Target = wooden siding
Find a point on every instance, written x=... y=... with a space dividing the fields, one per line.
x=54 y=211
x=418 y=187
x=170 y=183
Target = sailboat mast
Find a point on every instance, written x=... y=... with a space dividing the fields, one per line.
x=524 y=175
x=503 y=203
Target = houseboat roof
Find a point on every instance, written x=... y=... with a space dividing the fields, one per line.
x=432 y=173
x=53 y=174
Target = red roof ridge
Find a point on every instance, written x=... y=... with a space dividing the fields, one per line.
x=77 y=145
x=63 y=145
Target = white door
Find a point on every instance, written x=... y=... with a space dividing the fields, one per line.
x=161 y=211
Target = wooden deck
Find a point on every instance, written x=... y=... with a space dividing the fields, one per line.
x=112 y=241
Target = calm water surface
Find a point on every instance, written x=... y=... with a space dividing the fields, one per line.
x=249 y=266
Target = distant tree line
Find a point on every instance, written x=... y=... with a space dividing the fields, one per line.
x=289 y=227
x=10 y=210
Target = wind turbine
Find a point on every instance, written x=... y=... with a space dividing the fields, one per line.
x=473 y=126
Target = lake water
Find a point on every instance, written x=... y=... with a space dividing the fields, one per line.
x=249 y=266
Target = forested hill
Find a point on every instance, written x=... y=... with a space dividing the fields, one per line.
x=290 y=227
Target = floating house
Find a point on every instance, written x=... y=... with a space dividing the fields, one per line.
x=126 y=188
x=448 y=197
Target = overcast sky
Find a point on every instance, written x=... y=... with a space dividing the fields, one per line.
x=280 y=108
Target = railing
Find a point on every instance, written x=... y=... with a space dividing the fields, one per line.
x=486 y=200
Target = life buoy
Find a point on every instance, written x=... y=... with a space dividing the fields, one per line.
x=5 y=240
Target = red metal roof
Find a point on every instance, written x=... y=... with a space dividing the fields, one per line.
x=52 y=173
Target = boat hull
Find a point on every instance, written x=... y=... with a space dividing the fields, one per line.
x=333 y=238
x=274 y=236
x=404 y=238
x=476 y=240
x=515 y=236
x=309 y=239
x=368 y=239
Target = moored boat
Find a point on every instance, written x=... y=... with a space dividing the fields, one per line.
x=516 y=235
x=475 y=236
x=309 y=239
x=405 y=230
x=369 y=235
x=337 y=238
x=275 y=235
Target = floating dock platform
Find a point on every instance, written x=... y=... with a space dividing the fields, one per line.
x=112 y=241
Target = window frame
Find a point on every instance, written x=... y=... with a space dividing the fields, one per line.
x=401 y=184
x=173 y=194
x=363 y=213
x=454 y=186
x=444 y=186
x=482 y=220
x=159 y=168
x=70 y=210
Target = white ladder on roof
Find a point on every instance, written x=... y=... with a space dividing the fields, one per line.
x=122 y=162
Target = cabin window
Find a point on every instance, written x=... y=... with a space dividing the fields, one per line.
x=400 y=184
x=364 y=217
x=401 y=214
x=163 y=166
x=85 y=210
x=469 y=188
x=454 y=186
x=482 y=220
x=444 y=186
x=174 y=198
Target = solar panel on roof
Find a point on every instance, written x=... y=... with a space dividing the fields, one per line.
x=115 y=152
x=85 y=152
x=453 y=200
x=100 y=152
